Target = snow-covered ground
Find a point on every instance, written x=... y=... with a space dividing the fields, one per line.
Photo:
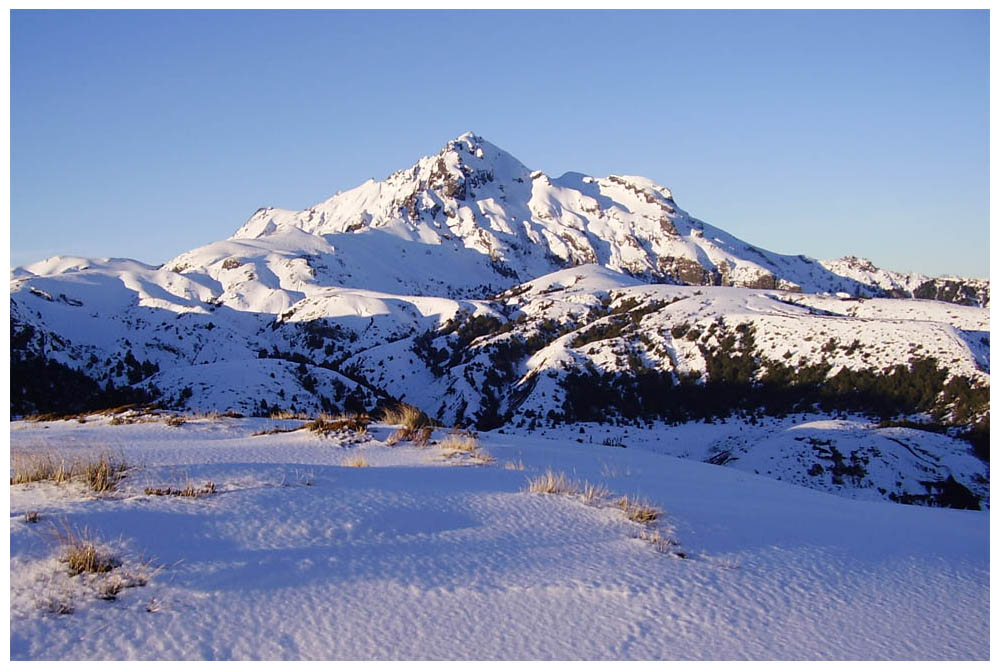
x=417 y=556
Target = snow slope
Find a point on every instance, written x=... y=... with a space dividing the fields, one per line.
x=415 y=557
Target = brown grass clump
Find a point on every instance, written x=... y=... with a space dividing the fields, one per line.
x=423 y=436
x=405 y=415
x=401 y=434
x=278 y=430
x=175 y=421
x=552 y=483
x=286 y=415
x=82 y=555
x=465 y=444
x=593 y=494
x=324 y=424
x=414 y=424
x=481 y=457
x=189 y=491
x=101 y=474
x=48 y=417
x=517 y=465
x=638 y=510
x=104 y=474
x=31 y=467
x=458 y=444
x=355 y=461
x=32 y=516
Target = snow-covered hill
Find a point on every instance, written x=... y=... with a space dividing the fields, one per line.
x=418 y=556
x=491 y=295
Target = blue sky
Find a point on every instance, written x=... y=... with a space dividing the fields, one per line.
x=145 y=134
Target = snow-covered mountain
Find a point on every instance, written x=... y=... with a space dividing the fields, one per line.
x=473 y=220
x=492 y=295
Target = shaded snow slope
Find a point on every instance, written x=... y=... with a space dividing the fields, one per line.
x=297 y=557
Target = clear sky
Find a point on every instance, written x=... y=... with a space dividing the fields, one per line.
x=145 y=134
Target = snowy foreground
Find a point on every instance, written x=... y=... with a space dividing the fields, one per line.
x=417 y=556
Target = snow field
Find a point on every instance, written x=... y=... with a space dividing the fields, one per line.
x=416 y=557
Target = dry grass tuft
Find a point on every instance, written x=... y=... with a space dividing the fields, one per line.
x=286 y=415
x=101 y=474
x=82 y=555
x=638 y=510
x=175 y=421
x=48 y=417
x=458 y=444
x=594 y=494
x=552 y=483
x=407 y=416
x=278 y=430
x=355 y=461
x=32 y=516
x=465 y=444
x=325 y=424
x=104 y=474
x=189 y=491
x=517 y=465
x=32 y=467
x=82 y=417
x=481 y=457
x=659 y=542
x=401 y=434
x=423 y=436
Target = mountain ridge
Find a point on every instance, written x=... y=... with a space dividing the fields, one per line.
x=528 y=223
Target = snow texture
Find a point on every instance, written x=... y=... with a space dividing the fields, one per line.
x=415 y=557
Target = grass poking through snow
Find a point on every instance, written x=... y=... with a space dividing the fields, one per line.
x=638 y=510
x=635 y=509
x=189 y=491
x=414 y=424
x=355 y=461
x=101 y=474
x=325 y=424
x=552 y=483
x=83 y=555
x=460 y=443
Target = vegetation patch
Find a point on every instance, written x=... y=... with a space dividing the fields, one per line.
x=414 y=424
x=278 y=430
x=101 y=474
x=355 y=461
x=552 y=483
x=638 y=510
x=83 y=555
x=738 y=379
x=325 y=424
x=188 y=491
